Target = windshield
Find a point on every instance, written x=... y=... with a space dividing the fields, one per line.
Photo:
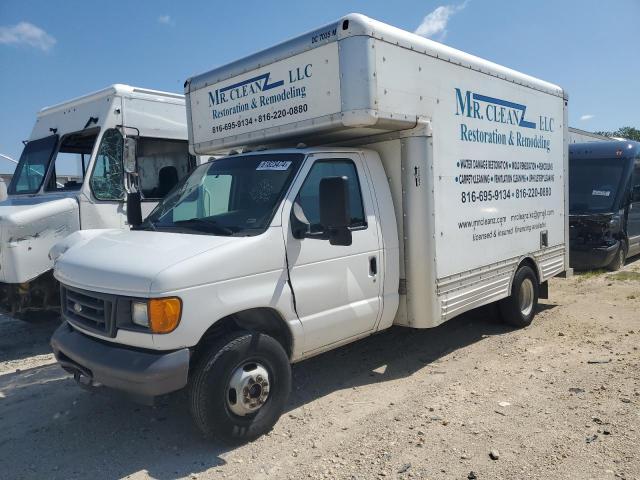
x=594 y=184
x=69 y=166
x=32 y=166
x=229 y=196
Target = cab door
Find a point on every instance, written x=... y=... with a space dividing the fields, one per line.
x=102 y=198
x=633 y=219
x=337 y=288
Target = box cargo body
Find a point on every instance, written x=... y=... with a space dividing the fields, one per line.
x=475 y=153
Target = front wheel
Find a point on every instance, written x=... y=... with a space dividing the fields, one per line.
x=618 y=261
x=240 y=387
x=519 y=308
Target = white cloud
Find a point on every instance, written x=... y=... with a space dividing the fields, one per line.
x=587 y=117
x=436 y=22
x=166 y=20
x=25 y=33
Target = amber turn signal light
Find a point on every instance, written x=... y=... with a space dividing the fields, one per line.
x=164 y=314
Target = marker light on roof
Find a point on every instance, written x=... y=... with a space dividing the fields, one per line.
x=618 y=153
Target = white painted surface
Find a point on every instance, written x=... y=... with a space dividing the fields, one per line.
x=29 y=227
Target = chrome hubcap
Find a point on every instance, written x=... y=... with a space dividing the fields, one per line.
x=248 y=389
x=525 y=297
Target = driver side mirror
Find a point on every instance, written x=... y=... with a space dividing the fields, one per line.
x=335 y=215
x=129 y=156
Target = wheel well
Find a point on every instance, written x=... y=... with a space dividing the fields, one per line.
x=528 y=261
x=263 y=320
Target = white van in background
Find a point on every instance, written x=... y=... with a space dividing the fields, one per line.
x=3 y=190
x=70 y=177
x=382 y=179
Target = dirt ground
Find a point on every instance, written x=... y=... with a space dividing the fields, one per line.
x=559 y=399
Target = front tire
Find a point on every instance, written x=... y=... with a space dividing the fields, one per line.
x=240 y=387
x=618 y=261
x=519 y=308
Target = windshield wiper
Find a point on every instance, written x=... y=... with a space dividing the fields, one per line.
x=211 y=225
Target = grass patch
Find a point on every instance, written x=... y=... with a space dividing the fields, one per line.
x=622 y=276
x=586 y=274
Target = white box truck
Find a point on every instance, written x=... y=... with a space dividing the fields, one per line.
x=383 y=179
x=71 y=177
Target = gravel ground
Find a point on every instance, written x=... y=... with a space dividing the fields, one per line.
x=556 y=400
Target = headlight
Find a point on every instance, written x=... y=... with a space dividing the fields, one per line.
x=139 y=314
x=164 y=314
x=615 y=222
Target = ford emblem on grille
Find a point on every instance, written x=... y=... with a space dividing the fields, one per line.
x=77 y=307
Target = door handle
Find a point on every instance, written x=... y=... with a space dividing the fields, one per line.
x=373 y=266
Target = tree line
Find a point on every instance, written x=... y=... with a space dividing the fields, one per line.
x=629 y=133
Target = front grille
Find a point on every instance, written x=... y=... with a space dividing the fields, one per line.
x=90 y=310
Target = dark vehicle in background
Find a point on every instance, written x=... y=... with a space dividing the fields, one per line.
x=604 y=204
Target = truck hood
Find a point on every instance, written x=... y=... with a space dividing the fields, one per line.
x=29 y=227
x=151 y=263
x=20 y=209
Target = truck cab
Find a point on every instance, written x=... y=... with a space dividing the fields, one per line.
x=70 y=177
x=604 y=202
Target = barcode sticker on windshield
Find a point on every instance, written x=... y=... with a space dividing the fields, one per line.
x=601 y=193
x=273 y=165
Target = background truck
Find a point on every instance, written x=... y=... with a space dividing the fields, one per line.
x=70 y=177
x=604 y=203
x=432 y=182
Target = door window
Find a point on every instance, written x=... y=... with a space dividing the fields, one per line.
x=307 y=204
x=107 y=180
x=162 y=164
x=72 y=160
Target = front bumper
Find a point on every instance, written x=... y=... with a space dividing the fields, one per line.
x=134 y=371
x=584 y=258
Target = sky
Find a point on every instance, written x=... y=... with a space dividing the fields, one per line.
x=53 y=51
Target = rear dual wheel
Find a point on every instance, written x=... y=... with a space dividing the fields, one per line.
x=519 y=308
x=240 y=387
